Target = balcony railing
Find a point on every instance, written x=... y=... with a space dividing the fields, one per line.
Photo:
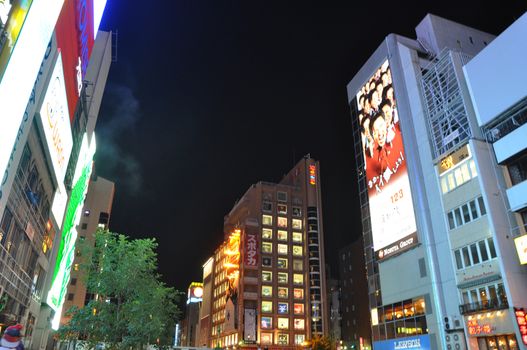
x=492 y=304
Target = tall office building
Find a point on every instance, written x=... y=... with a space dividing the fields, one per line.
x=438 y=256
x=191 y=323
x=96 y=214
x=46 y=149
x=268 y=287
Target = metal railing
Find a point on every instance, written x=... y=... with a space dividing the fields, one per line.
x=491 y=304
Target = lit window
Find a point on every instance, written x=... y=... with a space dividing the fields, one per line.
x=283 y=339
x=283 y=308
x=297 y=237
x=267 y=206
x=473 y=169
x=282 y=263
x=299 y=339
x=267 y=233
x=267 y=276
x=76 y=267
x=465 y=172
x=297 y=211
x=281 y=235
x=444 y=185
x=297 y=224
x=297 y=250
x=299 y=323
x=267 y=220
x=266 y=338
x=298 y=278
x=281 y=209
x=298 y=293
x=267 y=291
x=267 y=247
x=282 y=249
x=298 y=309
x=458 y=176
x=298 y=265
x=267 y=322
x=266 y=261
x=282 y=222
x=267 y=306
x=282 y=277
x=283 y=323
x=451 y=181
x=283 y=292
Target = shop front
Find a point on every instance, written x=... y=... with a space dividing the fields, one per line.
x=493 y=330
x=418 y=342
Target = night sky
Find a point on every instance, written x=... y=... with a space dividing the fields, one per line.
x=209 y=97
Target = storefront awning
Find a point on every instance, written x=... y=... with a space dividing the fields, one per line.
x=479 y=281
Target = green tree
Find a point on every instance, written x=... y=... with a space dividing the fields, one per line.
x=323 y=343
x=132 y=307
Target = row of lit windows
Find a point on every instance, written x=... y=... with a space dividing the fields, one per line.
x=475 y=253
x=219 y=303
x=283 y=277
x=466 y=213
x=281 y=209
x=281 y=221
x=282 y=292
x=267 y=247
x=282 y=307
x=282 y=323
x=281 y=235
x=484 y=294
x=458 y=176
x=219 y=290
x=281 y=339
x=282 y=263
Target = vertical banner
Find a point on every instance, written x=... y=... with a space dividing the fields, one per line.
x=249 y=325
x=391 y=209
x=251 y=250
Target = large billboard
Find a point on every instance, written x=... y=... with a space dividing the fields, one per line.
x=391 y=209
x=56 y=122
x=417 y=342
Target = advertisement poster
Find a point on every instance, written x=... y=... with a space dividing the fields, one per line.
x=391 y=208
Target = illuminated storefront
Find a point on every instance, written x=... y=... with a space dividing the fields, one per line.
x=492 y=330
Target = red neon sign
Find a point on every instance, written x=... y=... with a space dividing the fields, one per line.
x=474 y=328
x=521 y=318
x=312 y=175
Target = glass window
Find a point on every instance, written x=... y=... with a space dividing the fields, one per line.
x=297 y=237
x=298 y=265
x=282 y=249
x=283 y=308
x=267 y=206
x=282 y=263
x=483 y=295
x=267 y=322
x=299 y=339
x=482 y=208
x=282 y=277
x=474 y=253
x=281 y=196
x=281 y=235
x=283 y=292
x=492 y=250
x=267 y=306
x=266 y=261
x=298 y=278
x=451 y=181
x=492 y=293
x=299 y=323
x=466 y=256
x=297 y=211
x=267 y=276
x=297 y=250
x=265 y=338
x=451 y=222
x=483 y=251
x=459 y=176
x=298 y=293
x=473 y=169
x=282 y=339
x=444 y=185
x=267 y=291
x=457 y=214
x=473 y=210
x=466 y=299
x=459 y=263
x=298 y=309
x=267 y=247
x=474 y=295
x=267 y=220
x=297 y=224
x=281 y=209
x=267 y=233
x=282 y=222
x=283 y=323
x=420 y=306
x=465 y=172
x=466 y=215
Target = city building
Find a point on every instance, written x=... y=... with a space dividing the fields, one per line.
x=333 y=303
x=205 y=318
x=191 y=323
x=354 y=310
x=268 y=276
x=46 y=150
x=436 y=232
x=96 y=214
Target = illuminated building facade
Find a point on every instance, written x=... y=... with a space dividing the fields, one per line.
x=191 y=328
x=439 y=258
x=46 y=150
x=269 y=287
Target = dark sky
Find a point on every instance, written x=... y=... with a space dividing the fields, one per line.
x=209 y=97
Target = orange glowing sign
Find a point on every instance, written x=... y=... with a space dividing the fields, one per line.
x=312 y=175
x=474 y=328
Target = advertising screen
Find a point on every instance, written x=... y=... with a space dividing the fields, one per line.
x=66 y=251
x=56 y=122
x=521 y=248
x=391 y=209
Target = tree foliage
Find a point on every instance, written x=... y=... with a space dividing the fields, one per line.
x=131 y=306
x=323 y=343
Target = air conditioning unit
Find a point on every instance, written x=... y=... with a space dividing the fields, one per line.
x=455 y=341
x=453 y=322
